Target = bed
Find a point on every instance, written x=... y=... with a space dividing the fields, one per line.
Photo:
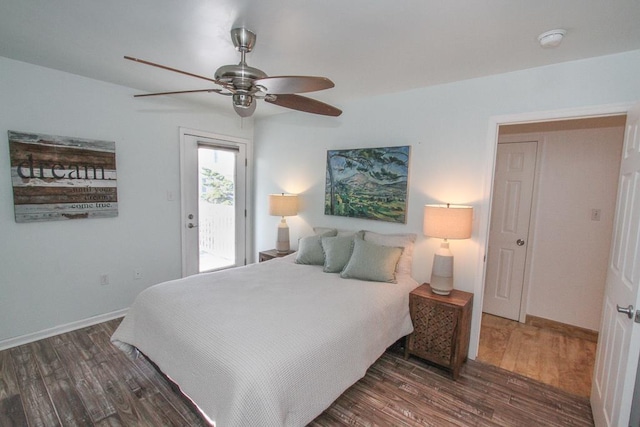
x=268 y=344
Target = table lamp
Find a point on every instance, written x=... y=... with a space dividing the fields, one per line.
x=445 y=222
x=283 y=205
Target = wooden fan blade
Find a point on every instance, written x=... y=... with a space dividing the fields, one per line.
x=182 y=91
x=293 y=84
x=175 y=70
x=302 y=103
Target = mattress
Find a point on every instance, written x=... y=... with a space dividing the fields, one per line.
x=268 y=344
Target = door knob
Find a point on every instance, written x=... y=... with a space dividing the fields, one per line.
x=190 y=225
x=628 y=310
x=519 y=242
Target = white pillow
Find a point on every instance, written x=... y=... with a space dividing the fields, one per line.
x=322 y=230
x=405 y=241
x=341 y=233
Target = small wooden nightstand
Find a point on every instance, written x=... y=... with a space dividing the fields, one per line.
x=442 y=326
x=271 y=254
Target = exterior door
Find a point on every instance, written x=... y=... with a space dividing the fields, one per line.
x=619 y=341
x=213 y=202
x=509 y=231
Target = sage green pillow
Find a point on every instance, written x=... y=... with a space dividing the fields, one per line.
x=310 y=249
x=372 y=262
x=337 y=251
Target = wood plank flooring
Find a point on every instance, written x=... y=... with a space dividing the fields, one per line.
x=546 y=355
x=80 y=379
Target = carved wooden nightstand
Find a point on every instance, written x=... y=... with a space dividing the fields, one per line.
x=442 y=326
x=271 y=254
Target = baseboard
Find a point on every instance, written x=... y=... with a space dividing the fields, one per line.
x=569 y=330
x=61 y=329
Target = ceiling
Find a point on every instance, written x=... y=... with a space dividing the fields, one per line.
x=367 y=47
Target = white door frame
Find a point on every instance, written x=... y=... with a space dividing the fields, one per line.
x=484 y=211
x=184 y=133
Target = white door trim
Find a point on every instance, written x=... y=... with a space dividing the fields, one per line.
x=484 y=210
x=184 y=132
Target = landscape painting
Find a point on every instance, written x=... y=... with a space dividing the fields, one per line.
x=368 y=183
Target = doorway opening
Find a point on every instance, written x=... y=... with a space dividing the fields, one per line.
x=549 y=239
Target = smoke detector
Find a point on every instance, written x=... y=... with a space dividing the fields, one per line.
x=552 y=38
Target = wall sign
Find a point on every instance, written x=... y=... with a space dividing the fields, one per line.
x=58 y=178
x=369 y=183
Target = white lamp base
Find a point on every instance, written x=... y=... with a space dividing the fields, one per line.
x=442 y=271
x=282 y=243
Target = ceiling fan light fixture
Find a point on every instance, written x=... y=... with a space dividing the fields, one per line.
x=242 y=100
x=243 y=104
x=245 y=111
x=551 y=38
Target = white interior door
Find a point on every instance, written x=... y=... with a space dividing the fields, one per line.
x=213 y=174
x=509 y=231
x=619 y=341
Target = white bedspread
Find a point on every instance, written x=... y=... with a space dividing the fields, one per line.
x=269 y=344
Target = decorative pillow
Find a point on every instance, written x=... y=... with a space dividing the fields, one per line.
x=337 y=251
x=310 y=249
x=341 y=233
x=405 y=241
x=322 y=230
x=372 y=262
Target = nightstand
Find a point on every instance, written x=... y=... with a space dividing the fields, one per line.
x=271 y=254
x=442 y=326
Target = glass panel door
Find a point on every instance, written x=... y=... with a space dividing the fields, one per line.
x=213 y=193
x=216 y=207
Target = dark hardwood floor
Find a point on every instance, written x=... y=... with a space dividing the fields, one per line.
x=80 y=379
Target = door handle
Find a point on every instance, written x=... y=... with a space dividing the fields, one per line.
x=628 y=310
x=190 y=225
x=520 y=242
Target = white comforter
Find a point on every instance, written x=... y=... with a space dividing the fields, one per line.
x=269 y=344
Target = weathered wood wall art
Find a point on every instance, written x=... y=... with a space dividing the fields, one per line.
x=369 y=183
x=58 y=178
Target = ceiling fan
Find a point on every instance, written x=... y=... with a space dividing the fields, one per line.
x=245 y=84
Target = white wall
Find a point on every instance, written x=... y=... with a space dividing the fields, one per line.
x=49 y=271
x=452 y=155
x=578 y=171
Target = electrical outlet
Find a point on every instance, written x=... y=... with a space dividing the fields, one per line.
x=104 y=279
x=595 y=214
x=137 y=273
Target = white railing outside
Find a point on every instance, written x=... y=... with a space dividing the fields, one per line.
x=217 y=233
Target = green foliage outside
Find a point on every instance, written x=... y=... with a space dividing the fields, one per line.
x=220 y=190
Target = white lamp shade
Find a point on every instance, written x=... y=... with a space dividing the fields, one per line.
x=283 y=204
x=447 y=221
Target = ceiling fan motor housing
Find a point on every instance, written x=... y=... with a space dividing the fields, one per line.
x=237 y=73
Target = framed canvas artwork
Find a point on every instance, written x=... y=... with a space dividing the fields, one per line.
x=368 y=183
x=59 y=178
